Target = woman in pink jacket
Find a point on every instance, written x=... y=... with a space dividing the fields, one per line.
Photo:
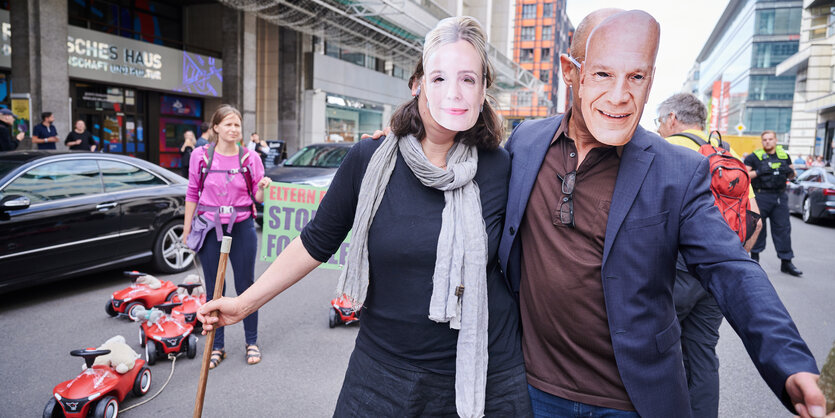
x=232 y=180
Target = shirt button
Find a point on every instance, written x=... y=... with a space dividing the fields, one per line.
x=512 y=230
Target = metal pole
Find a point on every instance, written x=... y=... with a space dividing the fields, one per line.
x=225 y=246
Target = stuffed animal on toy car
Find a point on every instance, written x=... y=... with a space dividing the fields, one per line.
x=122 y=358
x=162 y=334
x=145 y=291
x=192 y=296
x=99 y=389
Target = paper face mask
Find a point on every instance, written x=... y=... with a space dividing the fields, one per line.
x=454 y=85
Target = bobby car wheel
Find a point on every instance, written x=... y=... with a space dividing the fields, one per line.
x=108 y=407
x=151 y=353
x=333 y=318
x=109 y=308
x=191 y=350
x=142 y=384
x=53 y=410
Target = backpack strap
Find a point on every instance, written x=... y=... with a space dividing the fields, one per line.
x=205 y=167
x=719 y=134
x=695 y=138
x=243 y=155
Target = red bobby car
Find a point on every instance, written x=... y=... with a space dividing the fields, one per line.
x=187 y=312
x=98 y=390
x=341 y=312
x=166 y=335
x=137 y=294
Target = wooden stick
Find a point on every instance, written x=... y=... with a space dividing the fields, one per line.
x=225 y=246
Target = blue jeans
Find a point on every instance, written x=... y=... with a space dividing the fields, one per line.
x=547 y=405
x=242 y=257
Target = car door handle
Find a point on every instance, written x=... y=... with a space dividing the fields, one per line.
x=106 y=206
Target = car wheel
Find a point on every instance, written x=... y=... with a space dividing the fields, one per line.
x=108 y=407
x=333 y=318
x=109 y=308
x=142 y=337
x=52 y=409
x=807 y=211
x=142 y=384
x=191 y=350
x=151 y=353
x=170 y=255
x=130 y=310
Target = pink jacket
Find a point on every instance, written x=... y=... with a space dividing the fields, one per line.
x=221 y=189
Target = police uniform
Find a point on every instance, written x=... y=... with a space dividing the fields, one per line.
x=773 y=171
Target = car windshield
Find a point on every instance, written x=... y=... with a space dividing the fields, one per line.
x=318 y=156
x=830 y=178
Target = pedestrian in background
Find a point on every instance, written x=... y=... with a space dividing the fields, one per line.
x=681 y=119
x=769 y=168
x=45 y=134
x=189 y=142
x=204 y=135
x=258 y=145
x=818 y=161
x=227 y=199
x=425 y=207
x=80 y=139
x=7 y=141
x=799 y=160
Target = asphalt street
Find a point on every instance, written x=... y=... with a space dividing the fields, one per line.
x=304 y=361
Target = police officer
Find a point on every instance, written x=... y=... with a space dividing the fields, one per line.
x=770 y=167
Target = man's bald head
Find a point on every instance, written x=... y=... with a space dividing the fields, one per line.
x=616 y=76
x=581 y=33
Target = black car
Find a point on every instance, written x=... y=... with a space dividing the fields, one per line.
x=64 y=214
x=812 y=194
x=313 y=165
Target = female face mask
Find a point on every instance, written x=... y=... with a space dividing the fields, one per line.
x=454 y=85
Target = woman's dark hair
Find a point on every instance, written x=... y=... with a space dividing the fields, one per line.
x=487 y=132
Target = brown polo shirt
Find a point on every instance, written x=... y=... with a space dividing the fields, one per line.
x=566 y=341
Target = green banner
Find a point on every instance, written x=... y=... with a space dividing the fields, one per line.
x=288 y=208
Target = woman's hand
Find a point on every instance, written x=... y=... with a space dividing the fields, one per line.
x=264 y=182
x=229 y=311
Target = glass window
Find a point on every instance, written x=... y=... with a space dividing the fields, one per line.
x=528 y=11
x=545 y=55
x=547 y=33
x=318 y=156
x=523 y=98
x=547 y=9
x=544 y=75
x=778 y=21
x=758 y=119
x=526 y=54
x=120 y=176
x=58 y=180
x=528 y=33
x=769 y=54
x=769 y=87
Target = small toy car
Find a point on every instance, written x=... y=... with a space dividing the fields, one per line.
x=162 y=334
x=190 y=303
x=98 y=390
x=145 y=290
x=341 y=312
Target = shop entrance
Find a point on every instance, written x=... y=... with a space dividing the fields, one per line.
x=114 y=116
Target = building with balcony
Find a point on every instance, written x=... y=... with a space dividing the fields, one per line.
x=735 y=74
x=142 y=72
x=541 y=31
x=813 y=113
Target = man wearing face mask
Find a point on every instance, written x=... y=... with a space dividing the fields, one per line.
x=597 y=210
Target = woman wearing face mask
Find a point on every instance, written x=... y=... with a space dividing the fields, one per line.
x=426 y=207
x=226 y=200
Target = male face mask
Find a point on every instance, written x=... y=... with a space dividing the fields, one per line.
x=454 y=85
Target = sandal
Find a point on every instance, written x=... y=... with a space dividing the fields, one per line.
x=253 y=354
x=216 y=358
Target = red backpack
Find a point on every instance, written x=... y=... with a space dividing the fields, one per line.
x=729 y=183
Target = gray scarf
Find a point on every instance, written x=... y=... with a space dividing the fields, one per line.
x=461 y=262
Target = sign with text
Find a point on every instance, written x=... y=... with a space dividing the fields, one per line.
x=106 y=58
x=287 y=209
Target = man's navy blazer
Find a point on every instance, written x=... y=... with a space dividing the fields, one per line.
x=662 y=205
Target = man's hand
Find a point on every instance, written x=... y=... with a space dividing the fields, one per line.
x=378 y=134
x=806 y=396
x=20 y=136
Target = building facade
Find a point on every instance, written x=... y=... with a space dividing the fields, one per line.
x=813 y=113
x=542 y=31
x=142 y=72
x=735 y=72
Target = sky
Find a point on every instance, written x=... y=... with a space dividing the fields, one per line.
x=685 y=27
